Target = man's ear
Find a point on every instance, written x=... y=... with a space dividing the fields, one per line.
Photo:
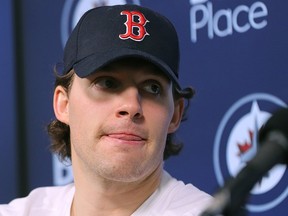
x=61 y=104
x=177 y=116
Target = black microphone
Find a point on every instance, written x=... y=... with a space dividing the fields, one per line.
x=273 y=141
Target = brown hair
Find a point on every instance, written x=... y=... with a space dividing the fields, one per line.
x=59 y=132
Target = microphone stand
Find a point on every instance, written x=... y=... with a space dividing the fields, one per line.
x=230 y=199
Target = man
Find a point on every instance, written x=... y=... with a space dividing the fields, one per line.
x=117 y=106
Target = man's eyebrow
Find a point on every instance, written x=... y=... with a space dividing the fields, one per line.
x=155 y=71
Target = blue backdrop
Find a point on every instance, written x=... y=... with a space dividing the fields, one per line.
x=233 y=52
x=8 y=151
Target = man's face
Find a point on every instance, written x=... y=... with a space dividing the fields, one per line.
x=119 y=119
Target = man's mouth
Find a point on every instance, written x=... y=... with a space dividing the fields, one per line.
x=126 y=137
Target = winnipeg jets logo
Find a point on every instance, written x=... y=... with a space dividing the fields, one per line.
x=242 y=146
x=236 y=143
x=135 y=30
x=248 y=148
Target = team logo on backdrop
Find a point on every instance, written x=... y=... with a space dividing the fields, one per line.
x=236 y=143
x=214 y=19
x=74 y=9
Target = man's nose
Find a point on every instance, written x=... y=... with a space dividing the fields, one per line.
x=130 y=104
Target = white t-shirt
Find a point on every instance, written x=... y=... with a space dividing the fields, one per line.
x=172 y=198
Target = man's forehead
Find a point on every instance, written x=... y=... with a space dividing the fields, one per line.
x=134 y=64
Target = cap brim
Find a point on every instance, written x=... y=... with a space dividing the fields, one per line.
x=95 y=61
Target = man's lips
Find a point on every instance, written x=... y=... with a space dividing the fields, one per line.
x=126 y=137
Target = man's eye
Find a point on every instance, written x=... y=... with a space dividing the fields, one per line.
x=153 y=88
x=107 y=83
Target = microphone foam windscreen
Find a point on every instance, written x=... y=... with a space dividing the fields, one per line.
x=277 y=122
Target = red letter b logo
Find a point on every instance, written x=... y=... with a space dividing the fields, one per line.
x=134 y=30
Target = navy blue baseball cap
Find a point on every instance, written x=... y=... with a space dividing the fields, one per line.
x=109 y=33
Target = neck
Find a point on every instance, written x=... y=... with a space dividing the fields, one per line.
x=103 y=197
